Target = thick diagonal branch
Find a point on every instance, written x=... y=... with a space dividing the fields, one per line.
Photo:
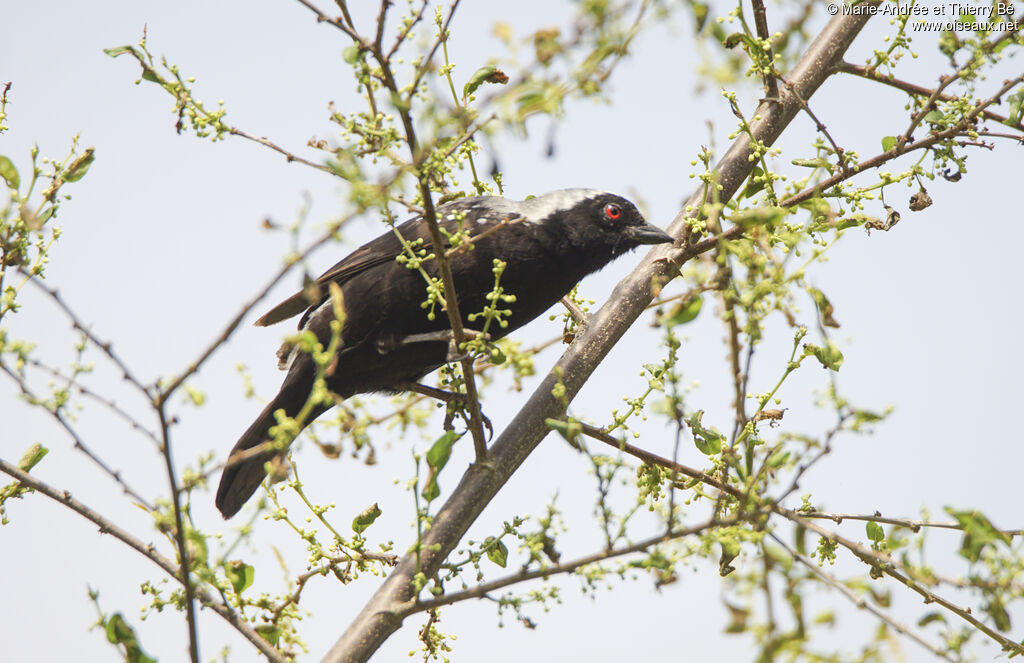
x=382 y=614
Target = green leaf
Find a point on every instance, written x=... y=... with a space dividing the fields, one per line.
x=888 y=143
x=9 y=173
x=351 y=53
x=700 y=15
x=570 y=430
x=824 y=306
x=80 y=166
x=996 y=609
x=32 y=457
x=271 y=634
x=684 y=312
x=777 y=459
x=120 y=633
x=874 y=531
x=119 y=50
x=829 y=356
x=439 y=453
x=45 y=215
x=736 y=38
x=730 y=550
x=400 y=104
x=755 y=183
x=707 y=440
x=708 y=444
x=1016 y=101
x=365 y=518
x=819 y=162
x=778 y=556
x=932 y=617
x=487 y=74
x=762 y=216
x=437 y=458
x=497 y=552
x=934 y=117
x=979 y=532
x=196 y=546
x=240 y=575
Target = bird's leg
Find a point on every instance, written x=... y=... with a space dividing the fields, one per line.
x=579 y=316
x=431 y=392
x=442 y=336
x=448 y=397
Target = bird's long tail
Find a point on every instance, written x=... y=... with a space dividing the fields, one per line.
x=243 y=473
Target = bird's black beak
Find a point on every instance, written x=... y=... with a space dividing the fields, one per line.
x=648 y=234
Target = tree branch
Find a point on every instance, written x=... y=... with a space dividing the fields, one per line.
x=481 y=590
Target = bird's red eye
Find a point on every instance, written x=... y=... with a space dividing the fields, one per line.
x=612 y=211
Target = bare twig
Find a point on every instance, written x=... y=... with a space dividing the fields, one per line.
x=289 y=156
x=909 y=88
x=909 y=523
x=822 y=129
x=110 y=404
x=105 y=346
x=78 y=441
x=404 y=32
x=339 y=23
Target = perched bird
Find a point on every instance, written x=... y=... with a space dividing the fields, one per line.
x=387 y=340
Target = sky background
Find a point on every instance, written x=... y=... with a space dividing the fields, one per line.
x=162 y=243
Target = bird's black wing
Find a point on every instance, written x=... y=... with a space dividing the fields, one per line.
x=381 y=250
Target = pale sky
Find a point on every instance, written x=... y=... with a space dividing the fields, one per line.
x=162 y=245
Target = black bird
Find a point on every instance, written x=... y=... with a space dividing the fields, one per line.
x=387 y=341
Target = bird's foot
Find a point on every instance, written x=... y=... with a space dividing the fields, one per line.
x=579 y=316
x=451 y=398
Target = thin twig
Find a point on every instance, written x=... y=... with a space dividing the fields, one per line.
x=184 y=559
x=336 y=22
x=481 y=590
x=761 y=24
x=909 y=88
x=909 y=523
x=110 y=404
x=289 y=156
x=105 y=346
x=79 y=443
x=820 y=126
x=404 y=32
